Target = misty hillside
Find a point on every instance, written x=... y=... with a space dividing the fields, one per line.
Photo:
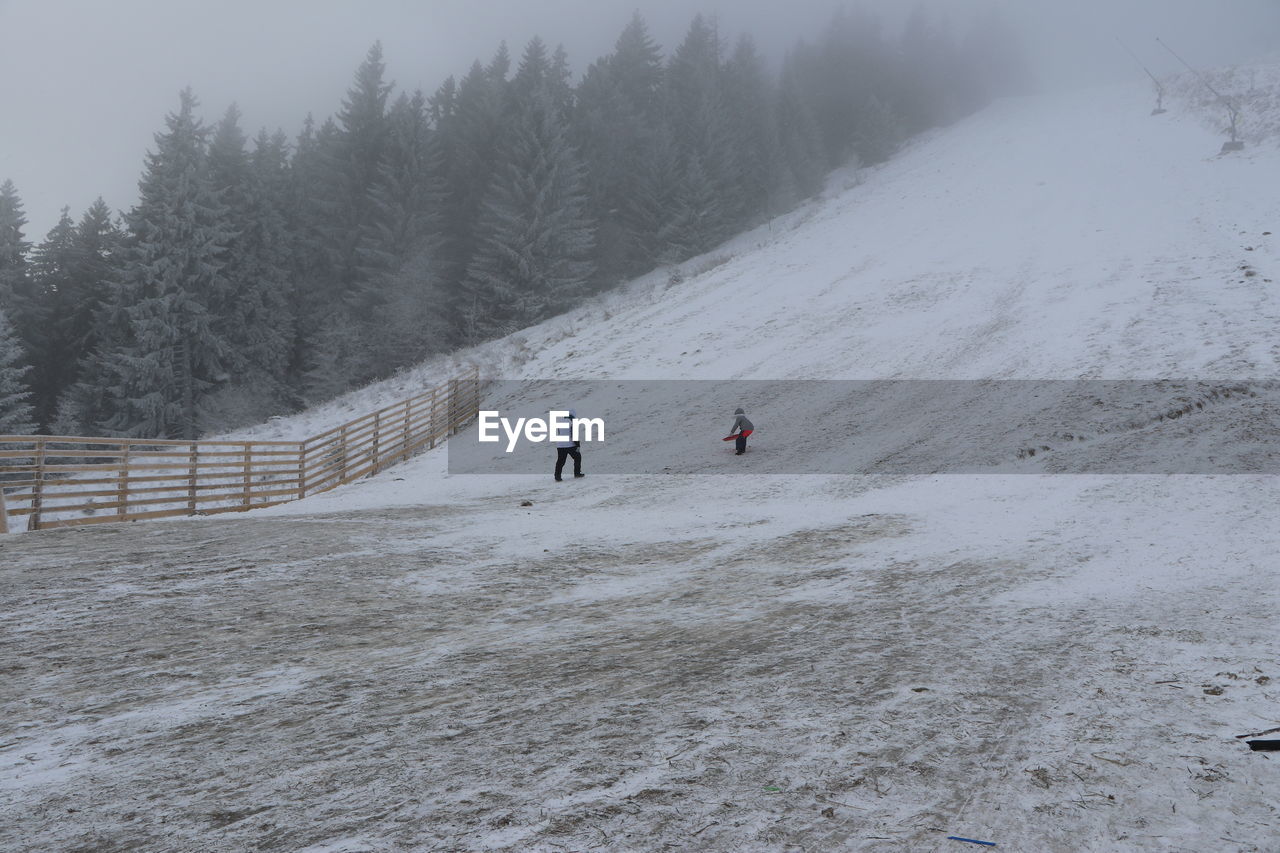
x=1057 y=237
x=1045 y=662
x=1026 y=242
x=258 y=276
x=1251 y=89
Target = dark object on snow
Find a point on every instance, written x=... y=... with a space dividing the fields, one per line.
x=1258 y=734
x=971 y=840
x=1233 y=145
x=1264 y=745
x=526 y=503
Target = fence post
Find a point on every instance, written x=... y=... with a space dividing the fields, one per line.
x=377 y=426
x=342 y=451
x=431 y=418
x=248 y=474
x=302 y=470
x=37 y=492
x=191 y=478
x=404 y=444
x=122 y=481
x=4 y=514
x=453 y=406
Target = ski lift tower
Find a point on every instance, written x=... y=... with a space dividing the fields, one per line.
x=1159 y=110
x=1236 y=144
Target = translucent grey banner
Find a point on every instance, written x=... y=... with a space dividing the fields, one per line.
x=892 y=427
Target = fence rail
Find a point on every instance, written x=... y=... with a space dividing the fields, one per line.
x=62 y=481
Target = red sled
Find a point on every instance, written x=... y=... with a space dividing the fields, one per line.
x=745 y=433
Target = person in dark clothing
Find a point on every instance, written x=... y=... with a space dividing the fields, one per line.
x=743 y=427
x=566 y=449
x=564 y=452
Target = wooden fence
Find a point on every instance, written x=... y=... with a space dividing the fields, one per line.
x=60 y=481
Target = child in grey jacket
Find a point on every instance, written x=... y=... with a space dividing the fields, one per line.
x=743 y=427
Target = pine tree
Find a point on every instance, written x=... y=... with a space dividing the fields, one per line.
x=838 y=75
x=533 y=73
x=312 y=200
x=750 y=102
x=800 y=141
x=710 y=197
x=445 y=119
x=693 y=82
x=405 y=198
x=171 y=282
x=337 y=171
x=636 y=66
x=879 y=132
x=312 y=203
x=658 y=187
x=227 y=170
x=268 y=240
x=96 y=243
x=252 y=315
x=334 y=355
x=469 y=120
x=558 y=81
x=13 y=246
x=500 y=66
x=16 y=412
x=270 y=244
x=89 y=405
x=362 y=145
x=18 y=297
x=402 y=305
x=697 y=220
x=618 y=120
x=52 y=272
x=322 y=261
x=936 y=86
x=80 y=324
x=410 y=320
x=536 y=240
x=918 y=96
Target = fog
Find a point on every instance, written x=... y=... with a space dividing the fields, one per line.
x=84 y=85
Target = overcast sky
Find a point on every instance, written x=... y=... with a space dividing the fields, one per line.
x=84 y=84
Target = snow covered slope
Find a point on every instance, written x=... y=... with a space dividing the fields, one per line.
x=1053 y=663
x=1057 y=238
x=1064 y=237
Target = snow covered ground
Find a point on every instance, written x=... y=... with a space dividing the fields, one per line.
x=417 y=662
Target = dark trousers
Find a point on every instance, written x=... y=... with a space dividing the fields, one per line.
x=741 y=442
x=561 y=453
